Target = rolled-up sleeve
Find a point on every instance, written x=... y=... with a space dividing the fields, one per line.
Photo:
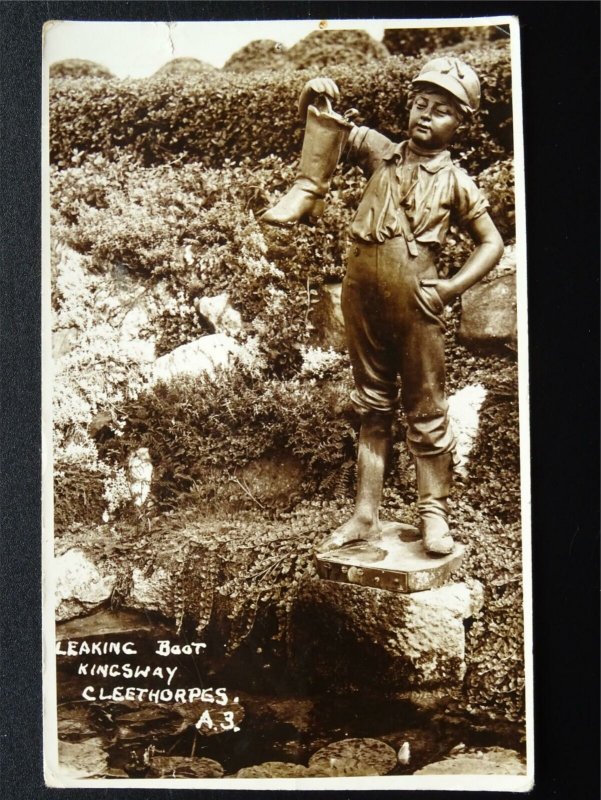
x=470 y=202
x=368 y=148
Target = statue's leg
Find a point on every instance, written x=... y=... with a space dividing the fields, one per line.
x=430 y=437
x=375 y=394
x=372 y=455
x=434 y=476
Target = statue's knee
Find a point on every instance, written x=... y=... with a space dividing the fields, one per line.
x=429 y=434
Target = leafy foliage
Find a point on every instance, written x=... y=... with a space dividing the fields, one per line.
x=424 y=41
x=185 y=68
x=78 y=68
x=497 y=183
x=197 y=447
x=258 y=56
x=222 y=115
x=324 y=48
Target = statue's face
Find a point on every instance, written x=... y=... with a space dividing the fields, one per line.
x=433 y=119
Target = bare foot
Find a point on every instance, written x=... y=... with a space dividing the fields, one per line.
x=356 y=529
x=436 y=536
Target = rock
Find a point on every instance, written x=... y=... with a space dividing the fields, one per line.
x=274 y=769
x=139 y=473
x=84 y=759
x=300 y=713
x=63 y=341
x=200 y=357
x=464 y=413
x=273 y=480
x=136 y=723
x=327 y=319
x=106 y=622
x=79 y=585
x=354 y=757
x=153 y=592
x=218 y=311
x=354 y=637
x=184 y=767
x=489 y=314
x=404 y=754
x=487 y=761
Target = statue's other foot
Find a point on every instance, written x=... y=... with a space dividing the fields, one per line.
x=356 y=529
x=436 y=537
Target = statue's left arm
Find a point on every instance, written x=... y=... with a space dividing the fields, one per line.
x=486 y=254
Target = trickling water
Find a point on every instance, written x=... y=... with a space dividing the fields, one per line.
x=253 y=711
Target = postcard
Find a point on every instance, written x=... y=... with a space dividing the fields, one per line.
x=286 y=470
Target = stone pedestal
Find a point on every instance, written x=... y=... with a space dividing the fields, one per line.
x=395 y=562
x=345 y=637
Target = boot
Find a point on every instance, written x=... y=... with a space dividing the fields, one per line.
x=326 y=134
x=372 y=455
x=434 y=476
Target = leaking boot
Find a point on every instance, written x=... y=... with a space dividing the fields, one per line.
x=326 y=134
x=434 y=477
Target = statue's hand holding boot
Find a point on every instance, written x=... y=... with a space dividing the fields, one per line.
x=326 y=134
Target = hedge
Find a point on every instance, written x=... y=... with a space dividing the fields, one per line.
x=79 y=68
x=218 y=117
x=327 y=48
x=416 y=41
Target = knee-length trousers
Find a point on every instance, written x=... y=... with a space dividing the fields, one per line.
x=394 y=330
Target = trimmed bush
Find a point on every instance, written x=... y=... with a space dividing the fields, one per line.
x=184 y=68
x=224 y=117
x=259 y=56
x=421 y=41
x=331 y=47
x=78 y=68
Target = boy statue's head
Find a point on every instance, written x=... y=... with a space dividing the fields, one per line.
x=445 y=93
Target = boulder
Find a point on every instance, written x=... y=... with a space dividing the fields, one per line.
x=79 y=585
x=489 y=315
x=152 y=592
x=350 y=637
x=63 y=341
x=487 y=761
x=464 y=413
x=219 y=313
x=200 y=357
x=274 y=769
x=273 y=480
x=184 y=767
x=84 y=759
x=354 y=757
x=327 y=319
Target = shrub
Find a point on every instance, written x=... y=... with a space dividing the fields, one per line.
x=354 y=48
x=221 y=117
x=498 y=184
x=201 y=432
x=97 y=374
x=259 y=56
x=423 y=41
x=184 y=68
x=78 y=68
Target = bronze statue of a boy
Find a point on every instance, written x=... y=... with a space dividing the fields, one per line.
x=392 y=297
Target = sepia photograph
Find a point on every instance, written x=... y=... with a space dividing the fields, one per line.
x=286 y=450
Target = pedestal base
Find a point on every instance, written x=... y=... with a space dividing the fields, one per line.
x=395 y=562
